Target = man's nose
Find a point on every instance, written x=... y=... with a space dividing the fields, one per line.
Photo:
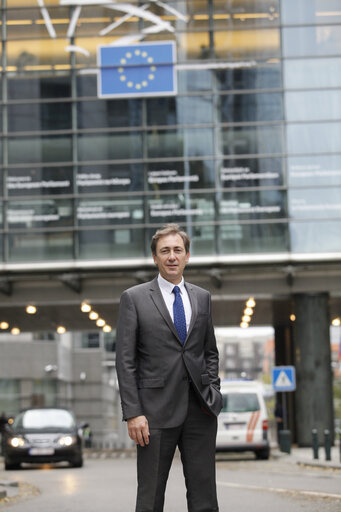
x=171 y=255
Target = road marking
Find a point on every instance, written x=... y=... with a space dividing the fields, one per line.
x=279 y=490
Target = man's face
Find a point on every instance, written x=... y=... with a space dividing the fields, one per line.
x=171 y=257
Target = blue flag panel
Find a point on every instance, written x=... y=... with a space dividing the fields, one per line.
x=145 y=69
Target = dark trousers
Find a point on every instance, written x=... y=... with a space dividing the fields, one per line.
x=196 y=439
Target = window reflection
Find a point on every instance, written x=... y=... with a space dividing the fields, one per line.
x=93 y=179
x=106 y=211
x=39 y=181
x=52 y=148
x=180 y=175
x=172 y=143
x=39 y=213
x=244 y=140
x=30 y=247
x=250 y=107
x=254 y=238
x=39 y=116
x=316 y=236
x=314 y=138
x=251 y=172
x=118 y=243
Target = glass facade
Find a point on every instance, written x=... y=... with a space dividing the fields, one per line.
x=246 y=155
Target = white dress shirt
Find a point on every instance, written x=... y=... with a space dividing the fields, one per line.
x=168 y=296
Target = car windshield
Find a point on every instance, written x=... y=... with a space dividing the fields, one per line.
x=44 y=418
x=240 y=402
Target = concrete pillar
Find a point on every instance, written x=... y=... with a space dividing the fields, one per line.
x=314 y=396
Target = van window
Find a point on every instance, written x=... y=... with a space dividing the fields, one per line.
x=240 y=402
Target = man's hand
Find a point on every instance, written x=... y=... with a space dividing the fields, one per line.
x=138 y=430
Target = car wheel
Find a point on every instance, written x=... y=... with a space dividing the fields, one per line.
x=10 y=465
x=77 y=462
x=263 y=454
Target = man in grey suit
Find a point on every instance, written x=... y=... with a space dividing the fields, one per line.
x=167 y=367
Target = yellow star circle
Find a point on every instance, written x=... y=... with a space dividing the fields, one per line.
x=125 y=60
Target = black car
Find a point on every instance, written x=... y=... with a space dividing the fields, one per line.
x=43 y=435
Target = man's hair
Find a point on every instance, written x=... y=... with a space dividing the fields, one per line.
x=170 y=229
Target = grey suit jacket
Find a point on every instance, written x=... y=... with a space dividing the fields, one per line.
x=154 y=368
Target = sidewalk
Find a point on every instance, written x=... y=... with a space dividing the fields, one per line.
x=305 y=457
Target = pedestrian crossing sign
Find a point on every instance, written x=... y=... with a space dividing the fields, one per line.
x=284 y=378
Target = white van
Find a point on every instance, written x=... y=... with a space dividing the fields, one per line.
x=243 y=421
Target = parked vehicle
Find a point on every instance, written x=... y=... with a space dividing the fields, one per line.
x=43 y=435
x=243 y=421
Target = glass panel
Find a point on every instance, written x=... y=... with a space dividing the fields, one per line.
x=180 y=175
x=37 y=55
x=29 y=23
x=306 y=11
x=9 y=396
x=311 y=73
x=86 y=85
x=109 y=113
x=110 y=146
x=38 y=117
x=311 y=105
x=34 y=87
x=318 y=203
x=107 y=211
x=43 y=213
x=252 y=205
x=314 y=138
x=94 y=179
x=253 y=238
x=232 y=13
x=250 y=107
x=181 y=208
x=246 y=44
x=44 y=181
x=53 y=148
x=194 y=80
x=181 y=110
x=251 y=172
x=314 y=170
x=1 y=215
x=172 y=143
x=251 y=139
x=262 y=76
x=306 y=41
x=193 y=46
x=117 y=243
x=316 y=236
x=25 y=247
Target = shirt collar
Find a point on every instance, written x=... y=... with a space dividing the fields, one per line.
x=167 y=286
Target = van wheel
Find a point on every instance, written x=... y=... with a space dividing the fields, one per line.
x=10 y=466
x=263 y=454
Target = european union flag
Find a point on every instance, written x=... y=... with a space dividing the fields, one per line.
x=145 y=69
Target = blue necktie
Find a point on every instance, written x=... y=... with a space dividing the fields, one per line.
x=179 y=315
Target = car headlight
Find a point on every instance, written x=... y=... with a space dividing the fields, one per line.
x=16 y=442
x=66 y=440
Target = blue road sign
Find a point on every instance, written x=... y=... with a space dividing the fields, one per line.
x=144 y=69
x=284 y=378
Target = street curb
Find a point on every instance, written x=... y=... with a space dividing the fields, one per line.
x=319 y=465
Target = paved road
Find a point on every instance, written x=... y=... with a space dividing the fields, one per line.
x=244 y=484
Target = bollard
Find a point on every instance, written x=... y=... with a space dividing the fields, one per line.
x=327 y=444
x=315 y=443
x=285 y=441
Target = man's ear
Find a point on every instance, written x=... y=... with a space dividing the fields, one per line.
x=154 y=258
x=187 y=257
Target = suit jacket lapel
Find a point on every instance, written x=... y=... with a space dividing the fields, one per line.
x=157 y=298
